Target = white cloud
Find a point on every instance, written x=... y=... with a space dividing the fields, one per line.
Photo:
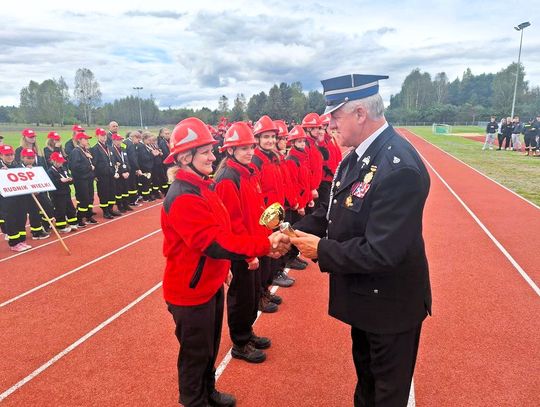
x=191 y=53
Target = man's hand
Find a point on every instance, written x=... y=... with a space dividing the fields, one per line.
x=306 y=243
x=281 y=244
x=253 y=264
x=229 y=278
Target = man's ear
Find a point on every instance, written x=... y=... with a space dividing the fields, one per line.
x=361 y=114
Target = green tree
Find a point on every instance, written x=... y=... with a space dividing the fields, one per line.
x=238 y=112
x=256 y=106
x=86 y=92
x=29 y=109
x=503 y=88
x=315 y=103
x=223 y=105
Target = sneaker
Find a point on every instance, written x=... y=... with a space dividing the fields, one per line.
x=260 y=342
x=67 y=229
x=282 y=280
x=40 y=235
x=266 y=306
x=91 y=220
x=248 y=353
x=114 y=213
x=6 y=237
x=219 y=399
x=276 y=299
x=73 y=227
x=81 y=224
x=301 y=260
x=26 y=245
x=19 y=247
x=296 y=264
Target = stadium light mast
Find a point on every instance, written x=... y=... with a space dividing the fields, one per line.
x=138 y=88
x=520 y=27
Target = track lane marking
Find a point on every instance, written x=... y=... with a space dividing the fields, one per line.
x=472 y=168
x=90 y=228
x=75 y=344
x=47 y=283
x=512 y=261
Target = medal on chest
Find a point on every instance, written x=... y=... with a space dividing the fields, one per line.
x=360 y=189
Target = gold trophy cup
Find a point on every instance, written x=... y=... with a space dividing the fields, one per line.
x=273 y=217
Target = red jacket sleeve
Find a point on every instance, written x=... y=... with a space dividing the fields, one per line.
x=295 y=182
x=229 y=194
x=197 y=225
x=315 y=165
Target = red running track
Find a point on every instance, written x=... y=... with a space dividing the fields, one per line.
x=478 y=349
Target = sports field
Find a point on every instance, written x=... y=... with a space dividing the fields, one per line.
x=92 y=328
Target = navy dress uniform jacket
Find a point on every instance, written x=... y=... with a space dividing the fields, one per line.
x=372 y=247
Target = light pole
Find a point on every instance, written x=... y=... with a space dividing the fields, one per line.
x=520 y=27
x=138 y=88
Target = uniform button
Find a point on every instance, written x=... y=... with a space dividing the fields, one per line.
x=338 y=184
x=335 y=201
x=375 y=291
x=330 y=221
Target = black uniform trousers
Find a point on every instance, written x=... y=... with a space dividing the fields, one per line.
x=243 y=302
x=64 y=211
x=145 y=186
x=388 y=357
x=84 y=192
x=30 y=207
x=198 y=330
x=105 y=190
x=14 y=217
x=324 y=193
x=121 y=191
x=132 y=187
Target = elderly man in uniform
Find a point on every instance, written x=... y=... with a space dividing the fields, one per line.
x=113 y=129
x=368 y=238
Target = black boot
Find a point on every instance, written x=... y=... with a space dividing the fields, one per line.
x=220 y=399
x=113 y=212
x=127 y=208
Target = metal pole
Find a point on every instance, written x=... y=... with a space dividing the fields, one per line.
x=517 y=75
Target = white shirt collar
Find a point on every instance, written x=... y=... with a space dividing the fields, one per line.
x=364 y=145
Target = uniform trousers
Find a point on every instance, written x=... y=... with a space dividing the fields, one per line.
x=198 y=330
x=64 y=211
x=34 y=216
x=243 y=302
x=121 y=191
x=384 y=366
x=84 y=192
x=14 y=217
x=267 y=275
x=105 y=190
x=145 y=186
x=132 y=187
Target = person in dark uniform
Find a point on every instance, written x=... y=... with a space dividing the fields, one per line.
x=529 y=135
x=70 y=144
x=133 y=142
x=82 y=171
x=536 y=125
x=146 y=155
x=104 y=170
x=238 y=186
x=64 y=211
x=491 y=130
x=368 y=238
x=163 y=138
x=113 y=129
x=121 y=177
x=198 y=244
x=54 y=144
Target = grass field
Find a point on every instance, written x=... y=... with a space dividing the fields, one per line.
x=513 y=170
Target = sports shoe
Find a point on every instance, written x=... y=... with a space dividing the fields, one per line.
x=40 y=235
x=266 y=306
x=67 y=229
x=219 y=399
x=26 y=245
x=296 y=264
x=73 y=227
x=114 y=213
x=282 y=280
x=248 y=353
x=81 y=224
x=19 y=247
x=91 y=220
x=276 y=299
x=260 y=342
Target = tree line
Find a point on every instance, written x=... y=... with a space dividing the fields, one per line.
x=467 y=99
x=51 y=103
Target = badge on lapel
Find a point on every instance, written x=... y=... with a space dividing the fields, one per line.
x=360 y=189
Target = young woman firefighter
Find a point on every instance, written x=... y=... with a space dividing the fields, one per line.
x=199 y=244
x=237 y=185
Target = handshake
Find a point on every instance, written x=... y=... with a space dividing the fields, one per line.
x=280 y=244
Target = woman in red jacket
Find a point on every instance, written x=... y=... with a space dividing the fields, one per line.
x=238 y=186
x=267 y=162
x=331 y=155
x=199 y=244
x=312 y=126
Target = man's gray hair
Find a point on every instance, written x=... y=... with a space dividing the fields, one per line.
x=373 y=104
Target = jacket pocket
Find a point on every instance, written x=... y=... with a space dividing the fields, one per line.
x=198 y=273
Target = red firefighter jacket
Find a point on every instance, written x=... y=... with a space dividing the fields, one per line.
x=315 y=163
x=298 y=164
x=267 y=164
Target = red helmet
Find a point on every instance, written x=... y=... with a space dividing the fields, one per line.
x=190 y=133
x=239 y=134
x=325 y=119
x=282 y=128
x=311 y=120
x=265 y=123
x=296 y=133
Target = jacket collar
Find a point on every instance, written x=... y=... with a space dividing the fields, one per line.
x=194 y=179
x=365 y=161
x=243 y=170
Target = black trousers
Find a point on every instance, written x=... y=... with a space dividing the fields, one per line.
x=14 y=216
x=198 y=330
x=265 y=266
x=132 y=187
x=121 y=191
x=84 y=192
x=384 y=366
x=105 y=190
x=145 y=186
x=34 y=215
x=243 y=302
x=64 y=211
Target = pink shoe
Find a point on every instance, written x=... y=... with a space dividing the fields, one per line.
x=19 y=247
x=26 y=245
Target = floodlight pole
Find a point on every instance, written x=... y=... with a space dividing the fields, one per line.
x=138 y=88
x=520 y=27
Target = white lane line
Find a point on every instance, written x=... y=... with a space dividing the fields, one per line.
x=75 y=344
x=412 y=398
x=514 y=263
x=88 y=229
x=474 y=169
x=39 y=287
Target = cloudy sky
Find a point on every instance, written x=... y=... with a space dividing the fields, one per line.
x=188 y=53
